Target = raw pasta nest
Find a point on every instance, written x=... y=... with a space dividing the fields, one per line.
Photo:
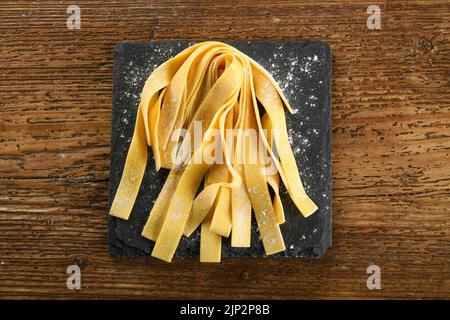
x=214 y=88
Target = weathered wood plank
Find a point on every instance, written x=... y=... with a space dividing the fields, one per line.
x=391 y=145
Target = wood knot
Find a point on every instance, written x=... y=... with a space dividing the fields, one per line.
x=424 y=45
x=79 y=262
x=244 y=276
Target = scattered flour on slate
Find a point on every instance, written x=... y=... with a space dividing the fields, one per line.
x=303 y=103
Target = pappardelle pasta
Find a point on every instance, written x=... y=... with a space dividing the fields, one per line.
x=238 y=108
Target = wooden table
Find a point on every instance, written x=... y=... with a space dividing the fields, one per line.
x=391 y=145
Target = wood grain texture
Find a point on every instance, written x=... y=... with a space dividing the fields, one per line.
x=391 y=145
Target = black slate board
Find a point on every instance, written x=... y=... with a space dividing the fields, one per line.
x=303 y=71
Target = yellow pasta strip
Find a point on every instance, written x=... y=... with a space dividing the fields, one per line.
x=210 y=243
x=158 y=213
x=270 y=99
x=260 y=198
x=272 y=178
x=264 y=213
x=274 y=182
x=132 y=173
x=221 y=221
x=241 y=215
x=200 y=208
x=241 y=207
x=208 y=198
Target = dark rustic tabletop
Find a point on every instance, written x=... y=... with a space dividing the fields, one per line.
x=391 y=145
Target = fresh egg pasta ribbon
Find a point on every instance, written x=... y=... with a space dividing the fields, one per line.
x=241 y=153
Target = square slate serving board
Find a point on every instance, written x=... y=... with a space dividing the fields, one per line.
x=303 y=71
